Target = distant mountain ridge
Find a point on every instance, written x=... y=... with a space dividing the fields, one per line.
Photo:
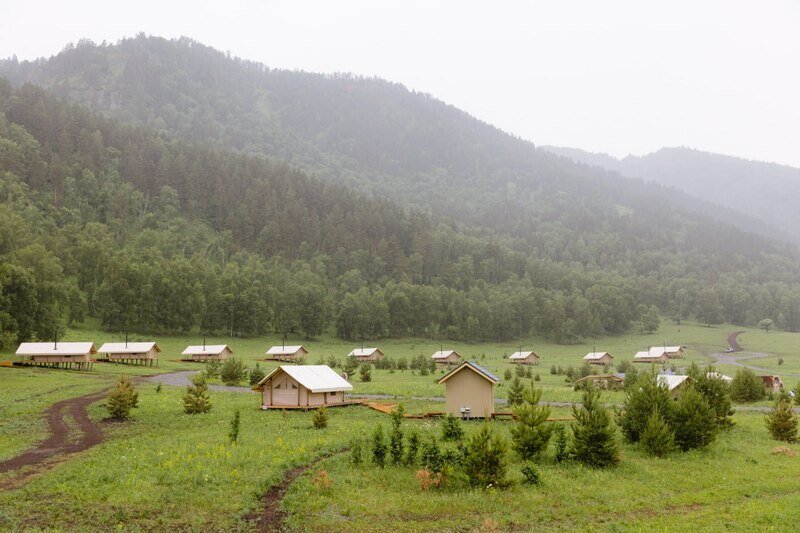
x=759 y=190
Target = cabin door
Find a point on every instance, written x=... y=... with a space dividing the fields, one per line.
x=285 y=392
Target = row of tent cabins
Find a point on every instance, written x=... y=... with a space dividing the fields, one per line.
x=81 y=355
x=656 y=354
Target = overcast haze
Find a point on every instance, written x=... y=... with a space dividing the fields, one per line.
x=615 y=77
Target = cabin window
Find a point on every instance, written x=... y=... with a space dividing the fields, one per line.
x=294 y=387
x=332 y=393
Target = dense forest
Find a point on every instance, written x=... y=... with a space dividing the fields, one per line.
x=162 y=225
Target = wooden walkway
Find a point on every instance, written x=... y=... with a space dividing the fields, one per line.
x=388 y=407
x=309 y=407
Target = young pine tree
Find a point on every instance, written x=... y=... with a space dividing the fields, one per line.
x=320 y=420
x=396 y=436
x=486 y=458
x=562 y=448
x=716 y=392
x=256 y=375
x=233 y=434
x=694 y=421
x=782 y=421
x=516 y=392
x=796 y=391
x=431 y=458
x=594 y=441
x=657 y=438
x=451 y=428
x=644 y=397
x=379 y=447
x=747 y=386
x=233 y=371
x=122 y=398
x=507 y=374
x=412 y=449
x=365 y=374
x=196 y=399
x=531 y=433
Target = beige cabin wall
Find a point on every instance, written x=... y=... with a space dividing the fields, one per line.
x=468 y=389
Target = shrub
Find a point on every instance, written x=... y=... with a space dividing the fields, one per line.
x=562 y=453
x=212 y=368
x=196 y=399
x=402 y=364
x=520 y=371
x=365 y=373
x=321 y=480
x=553 y=370
x=529 y=373
x=332 y=362
x=531 y=475
x=379 y=447
x=537 y=377
x=423 y=371
x=631 y=377
x=256 y=375
x=657 y=438
x=593 y=437
x=694 y=421
x=431 y=458
x=355 y=452
x=782 y=421
x=796 y=391
x=158 y=387
x=122 y=398
x=485 y=458
x=531 y=433
x=233 y=371
x=516 y=392
x=451 y=428
x=396 y=445
x=507 y=374
x=233 y=434
x=412 y=448
x=351 y=365
x=716 y=392
x=428 y=479
x=646 y=396
x=320 y=419
x=747 y=386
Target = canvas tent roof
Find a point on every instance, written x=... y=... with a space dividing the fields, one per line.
x=520 y=355
x=284 y=350
x=363 y=352
x=474 y=366
x=59 y=348
x=717 y=375
x=591 y=356
x=211 y=349
x=316 y=378
x=443 y=354
x=132 y=347
x=671 y=381
x=667 y=349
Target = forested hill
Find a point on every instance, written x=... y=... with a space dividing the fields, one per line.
x=764 y=191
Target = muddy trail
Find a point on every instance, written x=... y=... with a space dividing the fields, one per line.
x=733 y=342
x=60 y=443
x=269 y=517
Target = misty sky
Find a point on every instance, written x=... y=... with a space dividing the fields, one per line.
x=618 y=77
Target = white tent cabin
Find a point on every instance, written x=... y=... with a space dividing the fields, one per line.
x=303 y=387
x=57 y=354
x=524 y=358
x=653 y=355
x=286 y=353
x=446 y=357
x=205 y=353
x=599 y=358
x=366 y=354
x=144 y=353
x=673 y=352
x=675 y=384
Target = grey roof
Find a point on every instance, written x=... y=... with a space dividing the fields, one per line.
x=476 y=367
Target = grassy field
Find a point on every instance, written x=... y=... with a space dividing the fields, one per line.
x=165 y=469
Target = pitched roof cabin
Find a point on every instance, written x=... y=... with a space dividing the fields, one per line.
x=286 y=353
x=302 y=386
x=130 y=352
x=57 y=354
x=675 y=384
x=469 y=391
x=446 y=357
x=524 y=358
x=366 y=354
x=207 y=353
x=599 y=358
x=606 y=381
x=673 y=352
x=772 y=383
x=653 y=355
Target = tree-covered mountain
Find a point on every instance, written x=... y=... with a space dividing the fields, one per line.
x=749 y=189
x=417 y=218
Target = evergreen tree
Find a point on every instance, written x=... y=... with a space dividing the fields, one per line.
x=196 y=399
x=716 y=392
x=233 y=371
x=256 y=375
x=452 y=428
x=594 y=440
x=412 y=449
x=486 y=458
x=562 y=449
x=320 y=419
x=747 y=386
x=122 y=398
x=365 y=374
x=782 y=421
x=644 y=397
x=233 y=434
x=516 y=392
x=431 y=457
x=657 y=438
x=379 y=447
x=531 y=432
x=694 y=421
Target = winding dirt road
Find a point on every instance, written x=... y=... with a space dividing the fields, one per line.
x=728 y=358
x=62 y=441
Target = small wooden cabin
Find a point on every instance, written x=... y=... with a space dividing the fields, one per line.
x=599 y=358
x=772 y=383
x=209 y=352
x=675 y=384
x=143 y=353
x=446 y=357
x=673 y=352
x=287 y=353
x=366 y=354
x=652 y=355
x=607 y=381
x=302 y=386
x=524 y=358
x=469 y=391
x=57 y=354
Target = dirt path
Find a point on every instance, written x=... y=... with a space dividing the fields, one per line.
x=183 y=379
x=60 y=443
x=270 y=517
x=733 y=343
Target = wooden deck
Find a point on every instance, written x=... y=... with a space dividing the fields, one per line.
x=308 y=407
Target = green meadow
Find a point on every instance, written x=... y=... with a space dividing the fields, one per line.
x=164 y=469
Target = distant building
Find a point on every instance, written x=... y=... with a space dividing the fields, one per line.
x=469 y=391
x=673 y=352
x=599 y=358
x=202 y=353
x=57 y=354
x=287 y=353
x=653 y=355
x=366 y=354
x=446 y=357
x=302 y=386
x=607 y=381
x=130 y=352
x=772 y=383
x=524 y=358
x=675 y=384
